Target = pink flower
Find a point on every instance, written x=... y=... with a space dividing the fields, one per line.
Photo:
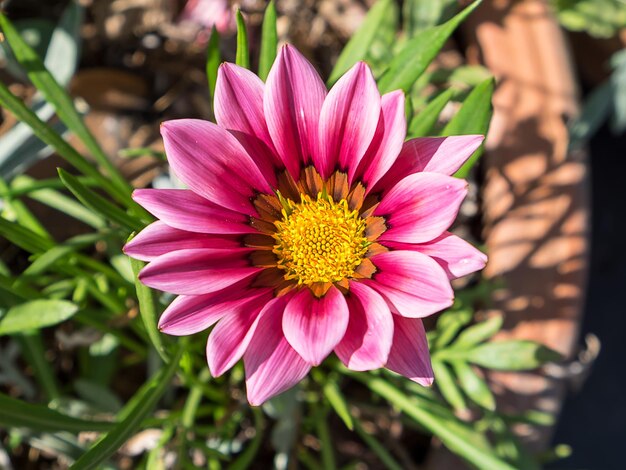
x=209 y=13
x=309 y=226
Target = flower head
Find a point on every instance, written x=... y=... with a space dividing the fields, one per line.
x=309 y=226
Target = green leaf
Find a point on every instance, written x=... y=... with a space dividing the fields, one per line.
x=135 y=412
x=407 y=66
x=326 y=443
x=58 y=201
x=444 y=381
x=269 y=41
x=474 y=386
x=36 y=314
x=423 y=14
x=356 y=49
x=16 y=413
x=148 y=310
x=449 y=324
x=511 y=355
x=98 y=203
x=456 y=435
x=422 y=123
x=24 y=237
x=51 y=256
x=62 y=102
x=338 y=403
x=50 y=137
x=213 y=58
x=480 y=332
x=473 y=118
x=243 y=56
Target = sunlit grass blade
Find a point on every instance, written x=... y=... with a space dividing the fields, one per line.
x=17 y=413
x=138 y=409
x=456 y=435
x=98 y=203
x=60 y=99
x=148 y=310
x=213 y=58
x=447 y=386
x=356 y=49
x=58 y=201
x=338 y=402
x=243 y=55
x=480 y=332
x=423 y=123
x=408 y=64
x=473 y=118
x=269 y=41
x=474 y=386
x=36 y=314
x=50 y=137
x=24 y=237
x=47 y=259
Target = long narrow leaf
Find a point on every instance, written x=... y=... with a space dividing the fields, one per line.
x=148 y=310
x=473 y=118
x=458 y=442
x=36 y=314
x=50 y=137
x=140 y=408
x=269 y=41
x=98 y=203
x=17 y=413
x=24 y=237
x=213 y=58
x=356 y=49
x=243 y=55
x=474 y=386
x=338 y=403
x=58 y=97
x=412 y=60
x=423 y=123
x=58 y=201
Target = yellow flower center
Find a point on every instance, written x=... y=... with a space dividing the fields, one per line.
x=319 y=240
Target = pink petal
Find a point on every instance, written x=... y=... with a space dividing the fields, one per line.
x=367 y=341
x=271 y=364
x=189 y=314
x=185 y=210
x=239 y=101
x=159 y=238
x=409 y=354
x=315 y=326
x=230 y=338
x=294 y=94
x=457 y=257
x=413 y=283
x=195 y=272
x=431 y=154
x=421 y=207
x=239 y=107
x=387 y=142
x=348 y=121
x=213 y=163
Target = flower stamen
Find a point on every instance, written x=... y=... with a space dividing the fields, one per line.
x=319 y=240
